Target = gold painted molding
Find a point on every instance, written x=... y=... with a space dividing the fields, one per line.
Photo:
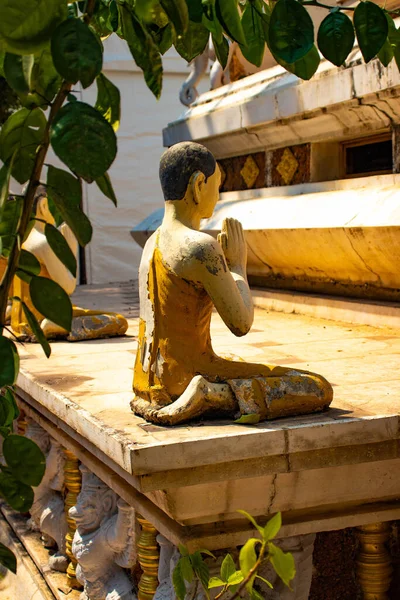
x=73 y=481
x=149 y=558
x=374 y=565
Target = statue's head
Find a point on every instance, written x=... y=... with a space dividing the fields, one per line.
x=189 y=170
x=96 y=503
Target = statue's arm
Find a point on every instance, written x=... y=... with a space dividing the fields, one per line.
x=222 y=272
x=119 y=533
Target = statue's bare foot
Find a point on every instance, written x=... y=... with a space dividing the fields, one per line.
x=200 y=397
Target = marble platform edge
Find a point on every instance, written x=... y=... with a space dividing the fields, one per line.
x=32 y=559
x=382 y=444
x=342 y=310
x=222 y=534
x=230 y=442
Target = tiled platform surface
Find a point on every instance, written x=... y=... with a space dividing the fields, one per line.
x=323 y=471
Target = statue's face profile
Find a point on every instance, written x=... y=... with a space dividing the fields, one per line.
x=92 y=508
x=207 y=193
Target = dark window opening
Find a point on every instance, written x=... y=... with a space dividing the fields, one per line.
x=371 y=157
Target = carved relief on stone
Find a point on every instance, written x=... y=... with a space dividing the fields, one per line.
x=47 y=512
x=104 y=541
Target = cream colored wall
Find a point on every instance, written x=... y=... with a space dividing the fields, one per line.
x=113 y=255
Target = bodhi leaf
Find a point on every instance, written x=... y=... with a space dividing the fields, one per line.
x=7 y=559
x=5 y=173
x=228 y=568
x=371 y=28
x=76 y=52
x=272 y=528
x=65 y=191
x=27 y=25
x=28 y=262
x=17 y=494
x=104 y=184
x=83 y=140
x=25 y=459
x=387 y=52
x=143 y=49
x=221 y=50
x=187 y=569
x=18 y=70
x=305 y=67
x=336 y=37
x=215 y=582
x=108 y=101
x=193 y=42
x=228 y=16
x=179 y=582
x=51 y=301
x=60 y=247
x=252 y=521
x=200 y=568
x=283 y=563
x=36 y=329
x=253 y=28
x=177 y=12
x=9 y=361
x=21 y=134
x=8 y=408
x=9 y=222
x=45 y=80
x=247 y=556
x=291 y=31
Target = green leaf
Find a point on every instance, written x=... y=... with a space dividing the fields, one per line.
x=27 y=25
x=306 y=67
x=252 y=521
x=204 y=551
x=187 y=569
x=25 y=459
x=21 y=134
x=178 y=582
x=386 y=53
x=7 y=559
x=177 y=12
x=5 y=173
x=215 y=582
x=228 y=15
x=200 y=568
x=83 y=140
x=29 y=263
x=221 y=51
x=254 y=595
x=108 y=101
x=250 y=419
x=76 y=52
x=51 y=301
x=9 y=222
x=253 y=29
x=163 y=37
x=371 y=28
x=269 y=584
x=272 y=528
x=143 y=49
x=228 y=568
x=36 y=329
x=336 y=37
x=18 y=70
x=65 y=191
x=193 y=42
x=291 y=31
x=45 y=80
x=17 y=494
x=60 y=247
x=183 y=550
x=113 y=19
x=236 y=578
x=282 y=562
x=247 y=556
x=9 y=361
x=8 y=408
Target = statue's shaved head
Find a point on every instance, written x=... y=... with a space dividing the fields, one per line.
x=179 y=163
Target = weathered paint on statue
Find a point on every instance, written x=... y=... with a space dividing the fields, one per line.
x=86 y=324
x=185 y=273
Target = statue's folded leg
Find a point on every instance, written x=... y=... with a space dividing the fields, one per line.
x=87 y=325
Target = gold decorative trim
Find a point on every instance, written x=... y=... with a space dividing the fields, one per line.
x=287 y=166
x=374 y=566
x=250 y=172
x=149 y=558
x=73 y=481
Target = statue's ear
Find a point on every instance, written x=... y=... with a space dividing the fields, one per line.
x=197 y=181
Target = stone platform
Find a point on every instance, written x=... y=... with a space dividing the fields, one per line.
x=324 y=472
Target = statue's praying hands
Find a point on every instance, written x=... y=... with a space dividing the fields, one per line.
x=184 y=274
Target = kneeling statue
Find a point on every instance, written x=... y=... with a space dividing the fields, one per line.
x=185 y=273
